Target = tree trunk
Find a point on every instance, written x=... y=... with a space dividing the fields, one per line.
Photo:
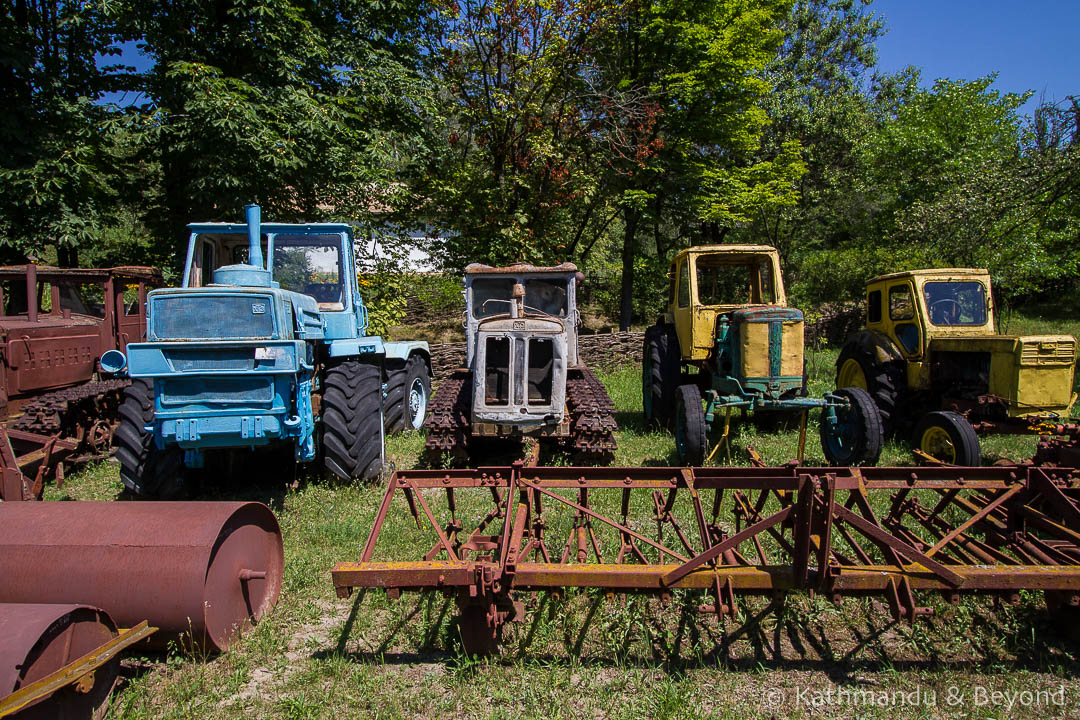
x=629 y=250
x=67 y=257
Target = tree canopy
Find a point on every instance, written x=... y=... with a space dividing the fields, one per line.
x=606 y=132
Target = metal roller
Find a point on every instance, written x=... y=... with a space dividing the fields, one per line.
x=37 y=640
x=201 y=570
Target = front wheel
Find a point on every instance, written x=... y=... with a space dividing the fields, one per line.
x=948 y=437
x=352 y=420
x=690 y=430
x=146 y=470
x=408 y=389
x=855 y=438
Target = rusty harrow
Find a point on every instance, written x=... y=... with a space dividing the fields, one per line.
x=487 y=535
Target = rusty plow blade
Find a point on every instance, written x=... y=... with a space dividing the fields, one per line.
x=489 y=535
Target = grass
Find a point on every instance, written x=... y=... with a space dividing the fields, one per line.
x=583 y=654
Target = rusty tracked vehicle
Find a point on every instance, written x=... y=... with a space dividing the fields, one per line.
x=523 y=377
x=54 y=325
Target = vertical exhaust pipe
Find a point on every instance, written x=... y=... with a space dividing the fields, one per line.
x=253 y=217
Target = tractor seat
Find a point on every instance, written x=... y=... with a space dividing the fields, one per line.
x=327 y=295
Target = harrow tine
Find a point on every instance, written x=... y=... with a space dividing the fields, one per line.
x=991 y=530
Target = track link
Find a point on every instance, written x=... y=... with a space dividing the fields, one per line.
x=592 y=417
x=75 y=411
x=448 y=416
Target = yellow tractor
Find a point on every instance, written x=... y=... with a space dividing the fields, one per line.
x=931 y=360
x=728 y=341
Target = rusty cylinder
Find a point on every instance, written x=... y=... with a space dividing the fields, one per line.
x=37 y=640
x=199 y=571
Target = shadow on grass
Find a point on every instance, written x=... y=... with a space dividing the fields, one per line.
x=773 y=635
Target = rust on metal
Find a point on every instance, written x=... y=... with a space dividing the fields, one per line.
x=36 y=640
x=54 y=325
x=80 y=674
x=891 y=532
x=201 y=571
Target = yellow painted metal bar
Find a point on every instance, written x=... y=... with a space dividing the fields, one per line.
x=73 y=671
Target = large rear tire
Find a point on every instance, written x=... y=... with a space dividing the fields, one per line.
x=948 y=437
x=145 y=470
x=857 y=438
x=690 y=429
x=855 y=367
x=660 y=362
x=352 y=420
x=408 y=391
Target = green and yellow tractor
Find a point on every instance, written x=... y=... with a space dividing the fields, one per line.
x=729 y=341
x=936 y=368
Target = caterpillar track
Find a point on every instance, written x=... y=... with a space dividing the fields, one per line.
x=447 y=422
x=592 y=417
x=85 y=412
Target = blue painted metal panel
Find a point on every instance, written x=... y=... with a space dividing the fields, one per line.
x=162 y=359
x=400 y=350
x=372 y=344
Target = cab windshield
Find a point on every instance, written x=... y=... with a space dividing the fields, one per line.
x=311 y=265
x=734 y=280
x=956 y=303
x=547 y=296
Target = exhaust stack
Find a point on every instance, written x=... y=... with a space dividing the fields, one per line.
x=253 y=217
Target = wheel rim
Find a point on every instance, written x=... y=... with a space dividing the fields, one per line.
x=937 y=443
x=417 y=403
x=843 y=438
x=851 y=375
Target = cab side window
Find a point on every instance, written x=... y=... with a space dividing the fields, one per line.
x=902 y=307
x=684 y=284
x=873 y=307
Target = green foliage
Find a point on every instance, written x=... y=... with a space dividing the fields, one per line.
x=304 y=108
x=385 y=291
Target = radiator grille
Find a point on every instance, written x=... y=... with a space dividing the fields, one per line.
x=212 y=317
x=217 y=390
x=238 y=359
x=1048 y=352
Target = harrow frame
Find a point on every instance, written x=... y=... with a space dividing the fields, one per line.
x=990 y=530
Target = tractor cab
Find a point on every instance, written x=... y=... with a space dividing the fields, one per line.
x=915 y=308
x=708 y=281
x=521 y=324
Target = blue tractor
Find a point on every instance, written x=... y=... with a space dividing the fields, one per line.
x=248 y=355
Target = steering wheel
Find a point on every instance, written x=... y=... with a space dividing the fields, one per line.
x=950 y=309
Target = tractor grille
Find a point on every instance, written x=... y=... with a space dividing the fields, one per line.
x=217 y=390
x=239 y=359
x=1048 y=352
x=212 y=317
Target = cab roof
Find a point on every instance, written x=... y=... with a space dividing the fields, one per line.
x=933 y=272
x=726 y=250
x=269 y=228
x=518 y=268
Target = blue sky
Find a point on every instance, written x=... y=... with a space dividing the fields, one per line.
x=1031 y=44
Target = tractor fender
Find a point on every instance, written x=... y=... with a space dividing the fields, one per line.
x=350 y=347
x=876 y=345
x=401 y=350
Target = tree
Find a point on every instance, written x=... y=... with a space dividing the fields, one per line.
x=818 y=99
x=696 y=69
x=517 y=177
x=307 y=108
x=58 y=168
